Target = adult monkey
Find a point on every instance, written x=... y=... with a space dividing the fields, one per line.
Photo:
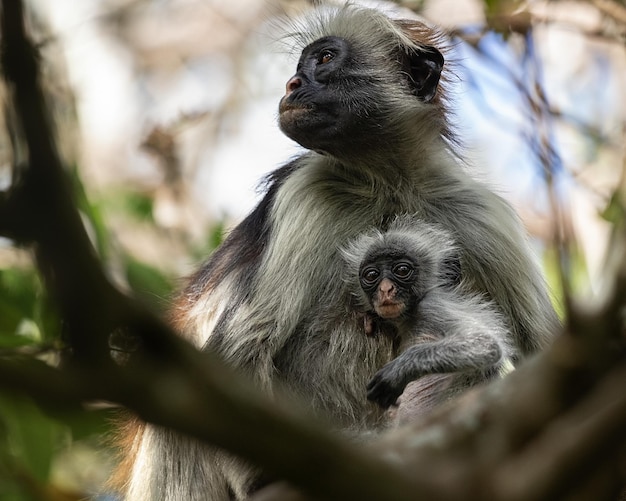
x=366 y=101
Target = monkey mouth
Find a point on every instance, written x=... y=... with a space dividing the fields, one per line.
x=292 y=109
x=390 y=310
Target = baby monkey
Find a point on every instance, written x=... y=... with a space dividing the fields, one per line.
x=407 y=282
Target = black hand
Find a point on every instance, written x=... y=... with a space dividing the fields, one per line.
x=386 y=386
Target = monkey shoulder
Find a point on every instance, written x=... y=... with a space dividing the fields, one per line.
x=480 y=220
x=243 y=247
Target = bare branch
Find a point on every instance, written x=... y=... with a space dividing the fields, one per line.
x=611 y=9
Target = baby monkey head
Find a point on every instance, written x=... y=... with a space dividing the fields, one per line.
x=391 y=272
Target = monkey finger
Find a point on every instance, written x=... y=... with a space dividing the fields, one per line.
x=384 y=399
x=382 y=392
x=369 y=326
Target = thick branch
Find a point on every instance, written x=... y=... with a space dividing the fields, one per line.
x=216 y=407
x=560 y=458
x=611 y=9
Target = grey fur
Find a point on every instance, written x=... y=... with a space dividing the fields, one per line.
x=451 y=330
x=271 y=301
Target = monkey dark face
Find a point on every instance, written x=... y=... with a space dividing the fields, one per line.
x=314 y=111
x=390 y=286
x=341 y=99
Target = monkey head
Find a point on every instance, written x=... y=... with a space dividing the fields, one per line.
x=353 y=81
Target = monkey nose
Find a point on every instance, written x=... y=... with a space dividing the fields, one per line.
x=293 y=84
x=386 y=286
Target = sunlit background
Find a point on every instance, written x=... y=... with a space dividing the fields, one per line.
x=166 y=114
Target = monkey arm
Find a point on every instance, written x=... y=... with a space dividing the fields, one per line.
x=499 y=260
x=471 y=338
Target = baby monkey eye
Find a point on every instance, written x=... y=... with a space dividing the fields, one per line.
x=325 y=56
x=403 y=270
x=369 y=276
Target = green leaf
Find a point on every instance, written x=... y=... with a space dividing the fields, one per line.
x=26 y=313
x=148 y=283
x=216 y=236
x=139 y=205
x=26 y=333
x=92 y=213
x=213 y=241
x=491 y=6
x=28 y=436
x=614 y=211
x=19 y=292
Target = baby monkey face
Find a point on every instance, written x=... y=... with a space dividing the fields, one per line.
x=389 y=285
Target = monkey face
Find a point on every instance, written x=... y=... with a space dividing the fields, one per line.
x=389 y=286
x=317 y=109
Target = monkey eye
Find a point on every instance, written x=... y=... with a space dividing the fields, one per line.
x=325 y=56
x=369 y=276
x=403 y=270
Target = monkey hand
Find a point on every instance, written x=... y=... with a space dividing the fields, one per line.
x=387 y=385
x=369 y=325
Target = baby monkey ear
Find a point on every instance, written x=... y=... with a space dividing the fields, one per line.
x=424 y=69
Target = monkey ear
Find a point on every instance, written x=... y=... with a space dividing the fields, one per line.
x=424 y=70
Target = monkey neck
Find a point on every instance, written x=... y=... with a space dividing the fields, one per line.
x=396 y=166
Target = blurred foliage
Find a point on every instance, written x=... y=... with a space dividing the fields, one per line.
x=29 y=436
x=31 y=442
x=139 y=206
x=578 y=276
x=215 y=238
x=148 y=283
x=93 y=214
x=52 y=456
x=26 y=315
x=615 y=212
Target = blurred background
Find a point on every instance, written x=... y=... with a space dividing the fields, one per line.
x=166 y=117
